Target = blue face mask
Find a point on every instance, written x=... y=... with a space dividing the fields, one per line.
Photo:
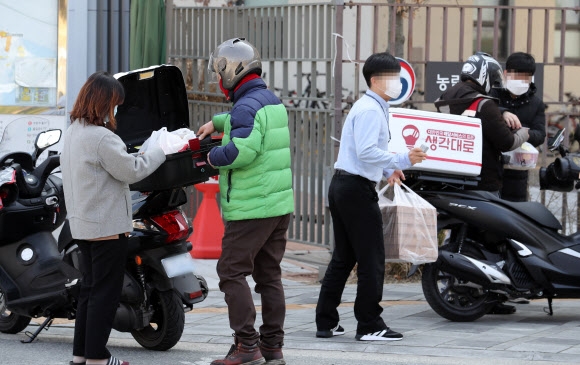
x=115 y=111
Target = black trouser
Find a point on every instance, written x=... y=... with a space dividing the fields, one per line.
x=103 y=266
x=358 y=237
x=254 y=247
x=515 y=185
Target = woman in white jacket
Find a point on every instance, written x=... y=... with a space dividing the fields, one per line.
x=96 y=173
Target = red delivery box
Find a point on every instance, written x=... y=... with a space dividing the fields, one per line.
x=455 y=142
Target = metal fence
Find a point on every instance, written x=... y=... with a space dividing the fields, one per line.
x=295 y=44
x=312 y=56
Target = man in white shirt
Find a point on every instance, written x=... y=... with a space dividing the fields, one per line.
x=362 y=161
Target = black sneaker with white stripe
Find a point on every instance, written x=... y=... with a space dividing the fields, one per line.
x=384 y=335
x=336 y=331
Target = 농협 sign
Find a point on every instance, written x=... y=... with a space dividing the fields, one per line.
x=408 y=80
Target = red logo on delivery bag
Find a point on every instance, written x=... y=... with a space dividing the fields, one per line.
x=451 y=141
x=410 y=135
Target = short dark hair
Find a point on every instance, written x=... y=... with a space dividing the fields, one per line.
x=379 y=63
x=97 y=99
x=521 y=62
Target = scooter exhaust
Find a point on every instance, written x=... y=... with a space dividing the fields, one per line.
x=466 y=268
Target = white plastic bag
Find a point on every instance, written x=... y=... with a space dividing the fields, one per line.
x=170 y=142
x=524 y=157
x=151 y=141
x=409 y=226
x=185 y=134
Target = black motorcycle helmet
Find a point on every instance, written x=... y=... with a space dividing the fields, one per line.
x=494 y=70
x=475 y=69
x=484 y=70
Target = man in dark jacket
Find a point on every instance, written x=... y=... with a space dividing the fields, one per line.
x=520 y=105
x=477 y=77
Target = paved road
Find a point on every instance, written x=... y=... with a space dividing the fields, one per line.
x=529 y=336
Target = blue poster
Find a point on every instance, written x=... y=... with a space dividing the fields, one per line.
x=28 y=52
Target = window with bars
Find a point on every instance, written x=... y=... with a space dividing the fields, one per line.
x=489 y=17
x=567 y=21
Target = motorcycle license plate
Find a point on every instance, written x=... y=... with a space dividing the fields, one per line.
x=178 y=265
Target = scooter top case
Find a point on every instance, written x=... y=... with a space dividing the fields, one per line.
x=155 y=97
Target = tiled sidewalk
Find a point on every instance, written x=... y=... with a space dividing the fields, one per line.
x=529 y=334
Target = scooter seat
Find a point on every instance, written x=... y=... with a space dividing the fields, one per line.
x=533 y=210
x=536 y=211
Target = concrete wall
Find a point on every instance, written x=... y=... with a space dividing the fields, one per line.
x=98 y=39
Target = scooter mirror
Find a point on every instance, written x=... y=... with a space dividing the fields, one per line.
x=44 y=140
x=47 y=138
x=554 y=142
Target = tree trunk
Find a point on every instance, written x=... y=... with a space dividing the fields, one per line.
x=397 y=49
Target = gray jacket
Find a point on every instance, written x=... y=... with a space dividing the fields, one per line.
x=96 y=173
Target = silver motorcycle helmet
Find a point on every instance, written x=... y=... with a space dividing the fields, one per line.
x=234 y=59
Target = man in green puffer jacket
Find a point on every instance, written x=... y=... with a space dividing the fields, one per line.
x=256 y=200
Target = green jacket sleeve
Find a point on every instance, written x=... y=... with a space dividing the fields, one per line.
x=219 y=121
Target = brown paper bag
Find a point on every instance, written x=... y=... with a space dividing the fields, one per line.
x=409 y=226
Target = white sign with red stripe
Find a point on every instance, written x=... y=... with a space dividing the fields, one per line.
x=455 y=142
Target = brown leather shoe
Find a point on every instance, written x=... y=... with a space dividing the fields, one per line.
x=272 y=354
x=241 y=354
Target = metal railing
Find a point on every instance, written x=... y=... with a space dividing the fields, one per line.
x=312 y=59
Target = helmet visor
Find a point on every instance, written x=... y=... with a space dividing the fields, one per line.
x=212 y=76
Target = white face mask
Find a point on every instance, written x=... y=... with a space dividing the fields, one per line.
x=393 y=88
x=517 y=87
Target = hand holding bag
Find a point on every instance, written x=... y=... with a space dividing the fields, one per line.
x=409 y=226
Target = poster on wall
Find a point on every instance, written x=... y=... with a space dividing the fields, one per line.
x=19 y=131
x=28 y=53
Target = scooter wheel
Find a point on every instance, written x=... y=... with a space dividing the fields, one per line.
x=10 y=322
x=169 y=320
x=453 y=302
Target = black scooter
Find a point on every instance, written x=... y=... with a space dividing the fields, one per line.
x=40 y=277
x=499 y=250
